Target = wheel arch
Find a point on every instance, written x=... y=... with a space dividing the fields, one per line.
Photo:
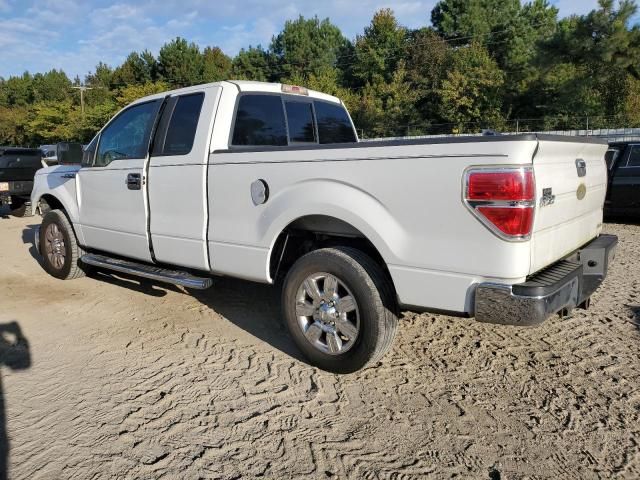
x=322 y=205
x=312 y=232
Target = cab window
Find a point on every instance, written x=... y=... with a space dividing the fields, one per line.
x=334 y=125
x=127 y=136
x=259 y=121
x=183 y=125
x=300 y=122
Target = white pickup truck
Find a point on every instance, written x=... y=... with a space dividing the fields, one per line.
x=269 y=183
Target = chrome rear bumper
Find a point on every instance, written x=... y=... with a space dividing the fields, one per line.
x=567 y=284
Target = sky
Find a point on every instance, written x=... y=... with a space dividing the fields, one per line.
x=74 y=35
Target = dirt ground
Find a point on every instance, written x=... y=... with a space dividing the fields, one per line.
x=105 y=377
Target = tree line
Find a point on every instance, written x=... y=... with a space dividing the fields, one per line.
x=498 y=64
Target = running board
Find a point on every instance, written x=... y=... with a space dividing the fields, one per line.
x=147 y=271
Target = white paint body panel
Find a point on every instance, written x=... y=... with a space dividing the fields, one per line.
x=568 y=223
x=420 y=226
x=405 y=198
x=113 y=218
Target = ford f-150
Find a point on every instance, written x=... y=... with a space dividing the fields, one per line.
x=269 y=182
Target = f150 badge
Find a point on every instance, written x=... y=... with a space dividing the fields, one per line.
x=547 y=197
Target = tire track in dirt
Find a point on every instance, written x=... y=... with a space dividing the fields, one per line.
x=131 y=381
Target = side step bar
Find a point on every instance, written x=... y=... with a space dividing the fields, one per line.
x=147 y=271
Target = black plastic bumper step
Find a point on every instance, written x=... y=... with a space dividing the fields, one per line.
x=151 y=272
x=549 y=279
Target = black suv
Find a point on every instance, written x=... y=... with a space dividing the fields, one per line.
x=623 y=193
x=18 y=166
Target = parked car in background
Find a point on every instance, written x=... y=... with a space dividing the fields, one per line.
x=269 y=183
x=623 y=165
x=18 y=166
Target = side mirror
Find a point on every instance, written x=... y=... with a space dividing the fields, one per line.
x=69 y=153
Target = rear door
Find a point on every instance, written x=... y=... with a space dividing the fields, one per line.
x=178 y=195
x=111 y=190
x=625 y=184
x=571 y=182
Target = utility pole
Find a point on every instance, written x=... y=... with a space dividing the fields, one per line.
x=82 y=89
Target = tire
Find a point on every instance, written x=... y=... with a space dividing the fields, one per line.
x=374 y=315
x=21 y=207
x=69 y=268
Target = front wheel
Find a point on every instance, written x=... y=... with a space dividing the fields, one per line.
x=340 y=309
x=59 y=247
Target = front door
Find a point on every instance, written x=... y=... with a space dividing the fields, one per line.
x=112 y=190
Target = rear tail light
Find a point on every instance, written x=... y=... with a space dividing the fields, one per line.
x=503 y=199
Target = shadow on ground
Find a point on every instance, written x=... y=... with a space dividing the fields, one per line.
x=635 y=315
x=253 y=307
x=14 y=354
x=29 y=238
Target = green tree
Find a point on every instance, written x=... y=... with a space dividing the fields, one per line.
x=217 y=65
x=180 y=63
x=50 y=122
x=252 y=64
x=137 y=68
x=18 y=90
x=13 y=122
x=51 y=86
x=378 y=52
x=595 y=54
x=387 y=108
x=306 y=46
x=130 y=93
x=471 y=90
x=427 y=57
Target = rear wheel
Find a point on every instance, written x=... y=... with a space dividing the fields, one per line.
x=59 y=247
x=340 y=308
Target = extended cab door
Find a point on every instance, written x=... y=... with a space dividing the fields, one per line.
x=111 y=189
x=178 y=196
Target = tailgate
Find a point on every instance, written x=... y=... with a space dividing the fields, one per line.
x=19 y=164
x=569 y=197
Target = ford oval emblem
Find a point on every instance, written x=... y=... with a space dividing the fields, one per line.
x=582 y=191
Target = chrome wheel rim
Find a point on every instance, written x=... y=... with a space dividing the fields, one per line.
x=54 y=247
x=327 y=313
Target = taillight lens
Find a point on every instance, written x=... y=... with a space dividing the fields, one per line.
x=503 y=199
x=510 y=221
x=509 y=186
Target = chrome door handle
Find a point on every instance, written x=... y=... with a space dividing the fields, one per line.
x=134 y=181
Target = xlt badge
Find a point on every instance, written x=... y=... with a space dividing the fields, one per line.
x=547 y=197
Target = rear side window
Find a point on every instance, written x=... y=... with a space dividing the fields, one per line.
x=334 y=125
x=183 y=124
x=634 y=156
x=300 y=122
x=259 y=121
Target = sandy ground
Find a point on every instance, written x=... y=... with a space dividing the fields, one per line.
x=106 y=378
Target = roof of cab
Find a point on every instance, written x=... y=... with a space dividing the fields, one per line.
x=242 y=86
